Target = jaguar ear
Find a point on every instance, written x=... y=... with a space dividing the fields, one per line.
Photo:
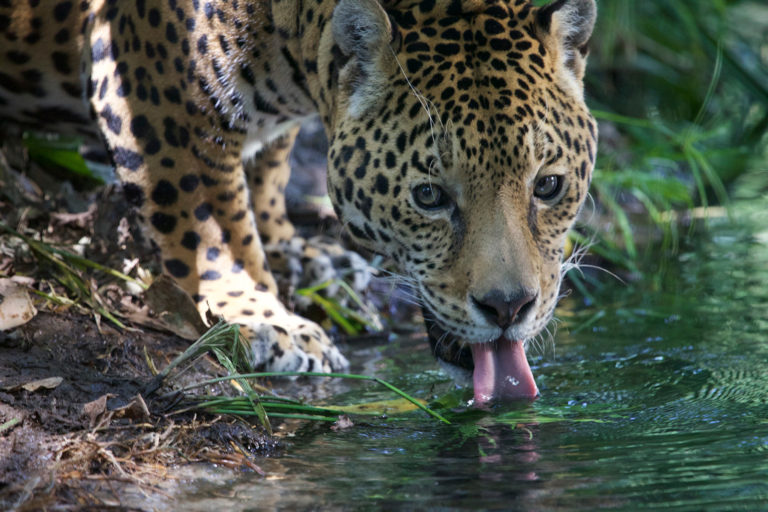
x=362 y=32
x=565 y=27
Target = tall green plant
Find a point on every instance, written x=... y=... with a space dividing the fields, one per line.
x=681 y=90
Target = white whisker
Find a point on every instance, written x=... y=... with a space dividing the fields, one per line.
x=426 y=104
x=601 y=269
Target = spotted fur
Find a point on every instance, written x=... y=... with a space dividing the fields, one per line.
x=474 y=106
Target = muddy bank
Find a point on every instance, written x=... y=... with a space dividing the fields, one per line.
x=77 y=433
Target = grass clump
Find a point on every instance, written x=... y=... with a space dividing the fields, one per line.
x=231 y=351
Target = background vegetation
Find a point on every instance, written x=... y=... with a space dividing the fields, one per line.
x=681 y=91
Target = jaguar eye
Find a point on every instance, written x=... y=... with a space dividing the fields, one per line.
x=429 y=197
x=548 y=187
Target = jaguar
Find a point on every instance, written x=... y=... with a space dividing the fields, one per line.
x=460 y=146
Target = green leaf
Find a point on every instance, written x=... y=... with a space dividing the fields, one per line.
x=63 y=152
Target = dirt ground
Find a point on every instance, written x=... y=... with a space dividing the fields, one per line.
x=77 y=427
x=86 y=434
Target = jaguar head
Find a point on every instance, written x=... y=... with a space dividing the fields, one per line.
x=461 y=147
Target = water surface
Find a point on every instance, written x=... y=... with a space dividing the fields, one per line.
x=656 y=397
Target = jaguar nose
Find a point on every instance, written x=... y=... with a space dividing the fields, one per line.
x=506 y=309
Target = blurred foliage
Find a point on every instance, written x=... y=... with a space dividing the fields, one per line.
x=681 y=92
x=60 y=156
x=57 y=151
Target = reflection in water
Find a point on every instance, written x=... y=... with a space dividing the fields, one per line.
x=493 y=461
x=658 y=399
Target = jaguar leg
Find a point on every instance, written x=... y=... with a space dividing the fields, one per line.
x=268 y=173
x=295 y=261
x=186 y=177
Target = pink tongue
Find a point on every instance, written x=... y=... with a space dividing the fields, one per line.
x=502 y=371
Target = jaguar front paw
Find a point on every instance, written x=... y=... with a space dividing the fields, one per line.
x=292 y=344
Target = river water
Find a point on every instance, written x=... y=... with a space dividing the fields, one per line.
x=655 y=397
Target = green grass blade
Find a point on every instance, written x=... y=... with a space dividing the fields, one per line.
x=332 y=310
x=303 y=417
x=379 y=381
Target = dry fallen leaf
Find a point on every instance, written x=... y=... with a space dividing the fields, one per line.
x=136 y=409
x=96 y=408
x=16 y=307
x=172 y=310
x=342 y=423
x=32 y=386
